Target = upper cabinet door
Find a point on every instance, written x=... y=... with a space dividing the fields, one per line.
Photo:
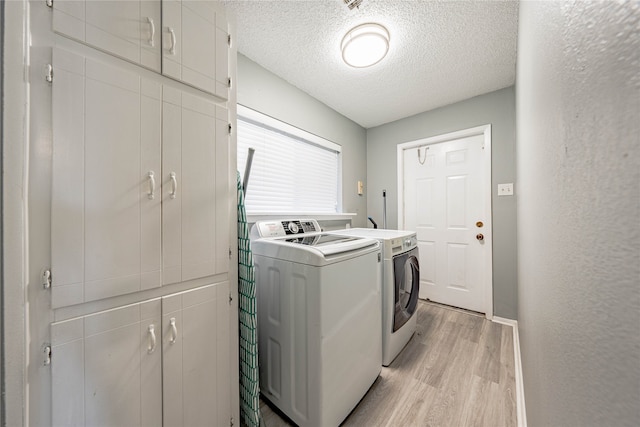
x=129 y=29
x=195 y=169
x=106 y=203
x=191 y=41
x=195 y=44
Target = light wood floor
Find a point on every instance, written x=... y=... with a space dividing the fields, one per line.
x=457 y=370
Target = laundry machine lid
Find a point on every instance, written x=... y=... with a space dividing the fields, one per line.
x=314 y=248
x=375 y=233
x=393 y=242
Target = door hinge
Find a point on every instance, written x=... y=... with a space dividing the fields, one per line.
x=46 y=279
x=230 y=298
x=379 y=257
x=229 y=40
x=230 y=128
x=229 y=82
x=47 y=354
x=230 y=253
x=49 y=76
x=49 y=3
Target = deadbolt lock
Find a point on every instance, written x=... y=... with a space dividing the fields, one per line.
x=479 y=224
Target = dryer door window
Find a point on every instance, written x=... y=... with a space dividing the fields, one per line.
x=407 y=285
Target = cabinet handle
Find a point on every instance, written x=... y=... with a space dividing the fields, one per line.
x=172 y=49
x=152 y=43
x=47 y=355
x=152 y=340
x=174 y=330
x=152 y=185
x=174 y=185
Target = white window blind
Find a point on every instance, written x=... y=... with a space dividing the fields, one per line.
x=292 y=171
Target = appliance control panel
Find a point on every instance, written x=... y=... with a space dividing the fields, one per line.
x=403 y=244
x=285 y=227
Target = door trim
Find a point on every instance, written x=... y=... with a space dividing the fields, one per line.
x=484 y=130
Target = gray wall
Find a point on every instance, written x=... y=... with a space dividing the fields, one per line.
x=495 y=108
x=267 y=93
x=578 y=159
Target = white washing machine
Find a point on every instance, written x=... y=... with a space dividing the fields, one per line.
x=318 y=298
x=400 y=286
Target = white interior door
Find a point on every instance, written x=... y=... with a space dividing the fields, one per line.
x=445 y=196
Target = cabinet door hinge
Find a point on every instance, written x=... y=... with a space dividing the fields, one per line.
x=49 y=75
x=230 y=128
x=229 y=82
x=49 y=3
x=46 y=279
x=230 y=253
x=229 y=40
x=230 y=298
x=47 y=354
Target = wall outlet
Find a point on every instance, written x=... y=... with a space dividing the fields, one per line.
x=505 y=189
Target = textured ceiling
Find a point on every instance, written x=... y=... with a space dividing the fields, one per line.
x=440 y=52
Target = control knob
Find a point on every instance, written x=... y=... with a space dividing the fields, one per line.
x=293 y=227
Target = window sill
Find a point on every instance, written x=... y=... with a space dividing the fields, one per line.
x=253 y=217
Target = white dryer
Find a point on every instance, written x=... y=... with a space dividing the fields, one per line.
x=400 y=286
x=318 y=298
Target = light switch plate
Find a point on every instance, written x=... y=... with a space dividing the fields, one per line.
x=505 y=189
x=360 y=188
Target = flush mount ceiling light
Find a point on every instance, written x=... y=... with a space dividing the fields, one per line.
x=365 y=45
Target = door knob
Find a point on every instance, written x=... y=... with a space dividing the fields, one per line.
x=480 y=236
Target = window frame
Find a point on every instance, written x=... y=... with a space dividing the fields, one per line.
x=304 y=136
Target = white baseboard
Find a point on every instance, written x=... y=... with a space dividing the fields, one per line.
x=520 y=405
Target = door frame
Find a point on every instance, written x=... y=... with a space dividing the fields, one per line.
x=14 y=216
x=484 y=130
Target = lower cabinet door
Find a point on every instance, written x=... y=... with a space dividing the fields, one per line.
x=196 y=365
x=107 y=368
x=161 y=362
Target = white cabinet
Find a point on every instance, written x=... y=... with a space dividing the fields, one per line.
x=106 y=368
x=160 y=362
x=106 y=203
x=141 y=199
x=140 y=189
x=195 y=44
x=195 y=176
x=189 y=43
x=196 y=363
x=129 y=29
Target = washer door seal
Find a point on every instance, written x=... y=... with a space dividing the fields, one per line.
x=406 y=270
